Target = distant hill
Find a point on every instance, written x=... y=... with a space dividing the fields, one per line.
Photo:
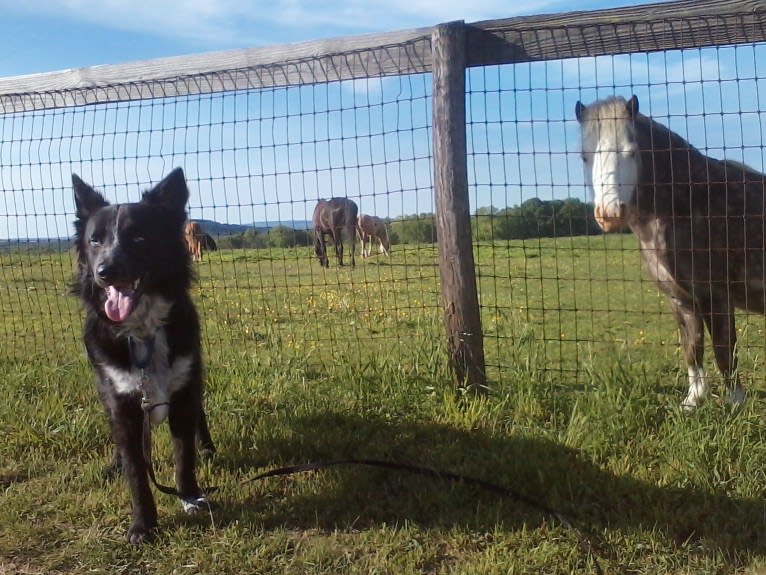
x=211 y=227
x=218 y=229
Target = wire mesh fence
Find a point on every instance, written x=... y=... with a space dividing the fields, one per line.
x=261 y=144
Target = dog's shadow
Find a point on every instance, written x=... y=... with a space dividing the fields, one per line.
x=557 y=476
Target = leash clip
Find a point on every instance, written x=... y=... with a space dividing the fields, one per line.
x=146 y=403
x=142 y=363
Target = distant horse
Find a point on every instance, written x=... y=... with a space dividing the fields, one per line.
x=370 y=228
x=334 y=217
x=208 y=243
x=194 y=236
x=699 y=222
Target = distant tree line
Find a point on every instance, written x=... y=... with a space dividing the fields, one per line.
x=276 y=237
x=535 y=218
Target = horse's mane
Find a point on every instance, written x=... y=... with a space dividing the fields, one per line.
x=612 y=114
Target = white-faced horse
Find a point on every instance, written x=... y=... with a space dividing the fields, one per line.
x=370 y=228
x=699 y=222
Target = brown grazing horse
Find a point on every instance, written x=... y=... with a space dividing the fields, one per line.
x=334 y=217
x=370 y=228
x=194 y=236
x=699 y=223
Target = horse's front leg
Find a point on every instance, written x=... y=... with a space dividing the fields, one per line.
x=337 y=240
x=353 y=246
x=692 y=335
x=720 y=323
x=320 y=247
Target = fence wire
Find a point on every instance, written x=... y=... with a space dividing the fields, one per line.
x=556 y=295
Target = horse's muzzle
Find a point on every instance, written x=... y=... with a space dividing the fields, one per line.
x=608 y=220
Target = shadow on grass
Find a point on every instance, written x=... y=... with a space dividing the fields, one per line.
x=559 y=477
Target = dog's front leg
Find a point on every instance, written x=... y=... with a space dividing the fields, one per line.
x=128 y=433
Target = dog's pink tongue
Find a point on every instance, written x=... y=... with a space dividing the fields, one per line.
x=118 y=304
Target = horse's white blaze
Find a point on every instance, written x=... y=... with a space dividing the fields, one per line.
x=698 y=388
x=611 y=162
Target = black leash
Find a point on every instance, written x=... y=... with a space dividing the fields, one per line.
x=583 y=541
x=147 y=406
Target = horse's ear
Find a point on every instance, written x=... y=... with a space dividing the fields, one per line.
x=579 y=110
x=633 y=106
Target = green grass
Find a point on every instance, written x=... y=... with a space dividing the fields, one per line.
x=306 y=365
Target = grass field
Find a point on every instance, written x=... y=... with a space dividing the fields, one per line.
x=307 y=365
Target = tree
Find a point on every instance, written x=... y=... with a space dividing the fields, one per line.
x=415 y=229
x=286 y=237
x=535 y=218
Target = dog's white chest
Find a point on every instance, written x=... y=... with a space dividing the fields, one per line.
x=157 y=380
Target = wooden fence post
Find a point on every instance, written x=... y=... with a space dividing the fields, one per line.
x=453 y=218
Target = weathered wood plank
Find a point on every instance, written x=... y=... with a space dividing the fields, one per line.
x=462 y=320
x=646 y=28
x=373 y=55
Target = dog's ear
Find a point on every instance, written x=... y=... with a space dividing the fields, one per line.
x=86 y=199
x=171 y=192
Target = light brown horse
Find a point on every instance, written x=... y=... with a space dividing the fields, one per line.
x=370 y=228
x=699 y=222
x=194 y=236
x=335 y=217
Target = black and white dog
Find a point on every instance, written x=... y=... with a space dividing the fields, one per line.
x=142 y=334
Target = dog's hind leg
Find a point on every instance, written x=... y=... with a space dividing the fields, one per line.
x=205 y=442
x=114 y=469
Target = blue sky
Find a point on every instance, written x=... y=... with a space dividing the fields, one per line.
x=268 y=155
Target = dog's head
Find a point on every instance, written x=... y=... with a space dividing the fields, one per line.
x=128 y=250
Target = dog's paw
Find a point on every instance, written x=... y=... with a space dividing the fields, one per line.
x=207 y=452
x=111 y=472
x=138 y=533
x=195 y=504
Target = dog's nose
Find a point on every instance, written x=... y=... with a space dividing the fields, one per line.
x=104 y=271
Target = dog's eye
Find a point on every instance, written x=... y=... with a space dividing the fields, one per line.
x=138 y=239
x=94 y=240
